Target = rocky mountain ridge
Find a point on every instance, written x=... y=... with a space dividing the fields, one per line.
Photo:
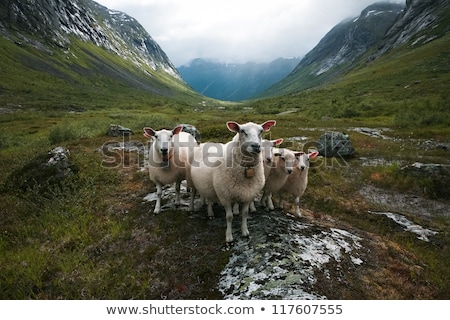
x=340 y=48
x=49 y=23
x=421 y=22
x=88 y=54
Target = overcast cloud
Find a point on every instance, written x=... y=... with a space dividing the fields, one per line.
x=238 y=30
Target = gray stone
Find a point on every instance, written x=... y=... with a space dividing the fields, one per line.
x=335 y=144
x=116 y=130
x=192 y=130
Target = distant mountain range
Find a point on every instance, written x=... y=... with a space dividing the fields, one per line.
x=59 y=53
x=379 y=29
x=232 y=81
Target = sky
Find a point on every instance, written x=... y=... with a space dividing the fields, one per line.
x=238 y=30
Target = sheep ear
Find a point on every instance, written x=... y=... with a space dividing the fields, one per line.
x=233 y=126
x=277 y=142
x=268 y=124
x=149 y=132
x=313 y=154
x=177 y=129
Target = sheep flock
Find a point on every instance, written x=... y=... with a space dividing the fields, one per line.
x=232 y=174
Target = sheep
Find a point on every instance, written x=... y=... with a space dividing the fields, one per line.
x=169 y=159
x=208 y=154
x=235 y=174
x=283 y=166
x=296 y=182
x=267 y=147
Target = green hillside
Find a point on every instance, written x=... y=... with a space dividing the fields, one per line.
x=409 y=86
x=85 y=76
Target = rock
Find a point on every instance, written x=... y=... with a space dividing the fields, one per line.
x=192 y=130
x=43 y=172
x=284 y=258
x=116 y=130
x=335 y=144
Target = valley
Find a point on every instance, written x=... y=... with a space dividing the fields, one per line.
x=374 y=225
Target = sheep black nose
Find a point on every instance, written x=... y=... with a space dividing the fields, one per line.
x=289 y=171
x=302 y=167
x=256 y=147
x=164 y=150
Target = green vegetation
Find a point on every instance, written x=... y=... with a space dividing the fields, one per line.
x=92 y=237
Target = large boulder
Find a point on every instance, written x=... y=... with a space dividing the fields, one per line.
x=335 y=144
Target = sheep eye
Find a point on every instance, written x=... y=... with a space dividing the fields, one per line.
x=244 y=132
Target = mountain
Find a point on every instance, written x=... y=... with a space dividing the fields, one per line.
x=421 y=22
x=338 y=50
x=79 y=46
x=234 y=82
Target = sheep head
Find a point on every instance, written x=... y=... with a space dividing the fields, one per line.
x=250 y=135
x=163 y=142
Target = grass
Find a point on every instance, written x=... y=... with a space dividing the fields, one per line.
x=98 y=241
x=91 y=237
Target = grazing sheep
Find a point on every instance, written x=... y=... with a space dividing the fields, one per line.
x=296 y=183
x=169 y=159
x=234 y=175
x=283 y=166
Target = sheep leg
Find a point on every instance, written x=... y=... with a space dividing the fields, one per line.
x=244 y=213
x=264 y=199
x=269 y=201
x=210 y=210
x=158 y=198
x=229 y=215
x=236 y=208
x=191 y=203
x=252 y=206
x=297 y=207
x=177 y=192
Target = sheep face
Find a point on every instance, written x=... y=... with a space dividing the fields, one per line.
x=163 y=142
x=250 y=135
x=287 y=160
x=303 y=159
x=267 y=150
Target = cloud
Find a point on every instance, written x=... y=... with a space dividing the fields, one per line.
x=238 y=30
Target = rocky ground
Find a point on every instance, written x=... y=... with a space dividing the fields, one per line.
x=312 y=257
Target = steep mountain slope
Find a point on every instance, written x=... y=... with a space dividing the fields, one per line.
x=235 y=82
x=421 y=22
x=340 y=48
x=78 y=46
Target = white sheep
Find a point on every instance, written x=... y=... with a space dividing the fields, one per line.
x=208 y=154
x=267 y=147
x=282 y=166
x=169 y=159
x=296 y=182
x=235 y=175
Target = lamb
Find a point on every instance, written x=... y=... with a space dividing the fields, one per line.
x=296 y=183
x=169 y=159
x=237 y=175
x=283 y=166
